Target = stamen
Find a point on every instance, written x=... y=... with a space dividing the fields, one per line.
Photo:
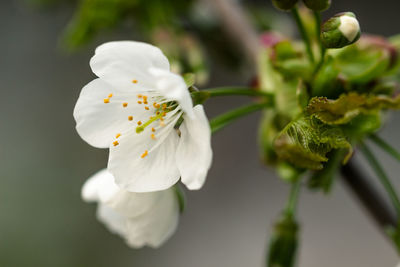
x=134 y=81
x=125 y=104
x=118 y=135
x=139 y=123
x=164 y=106
x=162 y=124
x=144 y=154
x=146 y=108
x=153 y=130
x=139 y=102
x=139 y=95
x=130 y=118
x=106 y=100
x=153 y=136
x=115 y=143
x=110 y=95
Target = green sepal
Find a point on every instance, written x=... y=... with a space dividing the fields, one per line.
x=305 y=143
x=189 y=79
x=348 y=106
x=284 y=242
x=180 y=194
x=331 y=35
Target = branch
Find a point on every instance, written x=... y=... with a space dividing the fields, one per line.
x=368 y=196
x=236 y=24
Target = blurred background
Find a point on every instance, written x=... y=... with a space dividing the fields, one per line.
x=43 y=164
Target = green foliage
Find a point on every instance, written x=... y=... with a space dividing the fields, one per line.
x=93 y=16
x=284 y=242
x=348 y=106
x=305 y=142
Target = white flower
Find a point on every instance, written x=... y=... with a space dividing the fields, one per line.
x=142 y=219
x=133 y=108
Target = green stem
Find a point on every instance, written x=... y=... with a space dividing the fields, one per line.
x=317 y=16
x=228 y=91
x=223 y=120
x=303 y=32
x=293 y=198
x=201 y=96
x=382 y=177
x=385 y=146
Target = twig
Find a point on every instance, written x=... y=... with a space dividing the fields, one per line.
x=368 y=196
x=236 y=24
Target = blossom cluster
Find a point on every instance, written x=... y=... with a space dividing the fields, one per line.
x=145 y=115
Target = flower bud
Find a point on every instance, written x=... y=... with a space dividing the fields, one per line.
x=284 y=4
x=283 y=244
x=341 y=30
x=317 y=5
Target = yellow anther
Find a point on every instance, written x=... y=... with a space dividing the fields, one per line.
x=125 y=104
x=106 y=100
x=144 y=154
x=153 y=130
x=110 y=95
x=162 y=123
x=134 y=81
x=115 y=143
x=155 y=105
x=118 y=135
x=139 y=123
x=164 y=114
x=146 y=108
x=139 y=96
x=164 y=106
x=158 y=113
x=145 y=102
x=153 y=136
x=139 y=102
x=161 y=119
x=130 y=118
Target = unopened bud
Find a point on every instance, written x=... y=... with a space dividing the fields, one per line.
x=341 y=30
x=317 y=5
x=284 y=4
x=283 y=244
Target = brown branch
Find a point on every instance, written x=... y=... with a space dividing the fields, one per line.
x=236 y=24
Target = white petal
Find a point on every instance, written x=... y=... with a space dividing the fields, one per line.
x=97 y=122
x=151 y=217
x=100 y=187
x=173 y=87
x=121 y=62
x=140 y=218
x=194 y=153
x=115 y=222
x=156 y=171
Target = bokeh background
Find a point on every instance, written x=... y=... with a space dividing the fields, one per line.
x=43 y=164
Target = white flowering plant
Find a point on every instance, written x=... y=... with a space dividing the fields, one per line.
x=321 y=98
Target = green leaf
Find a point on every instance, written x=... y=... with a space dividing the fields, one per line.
x=348 y=106
x=362 y=62
x=326 y=82
x=306 y=141
x=324 y=178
